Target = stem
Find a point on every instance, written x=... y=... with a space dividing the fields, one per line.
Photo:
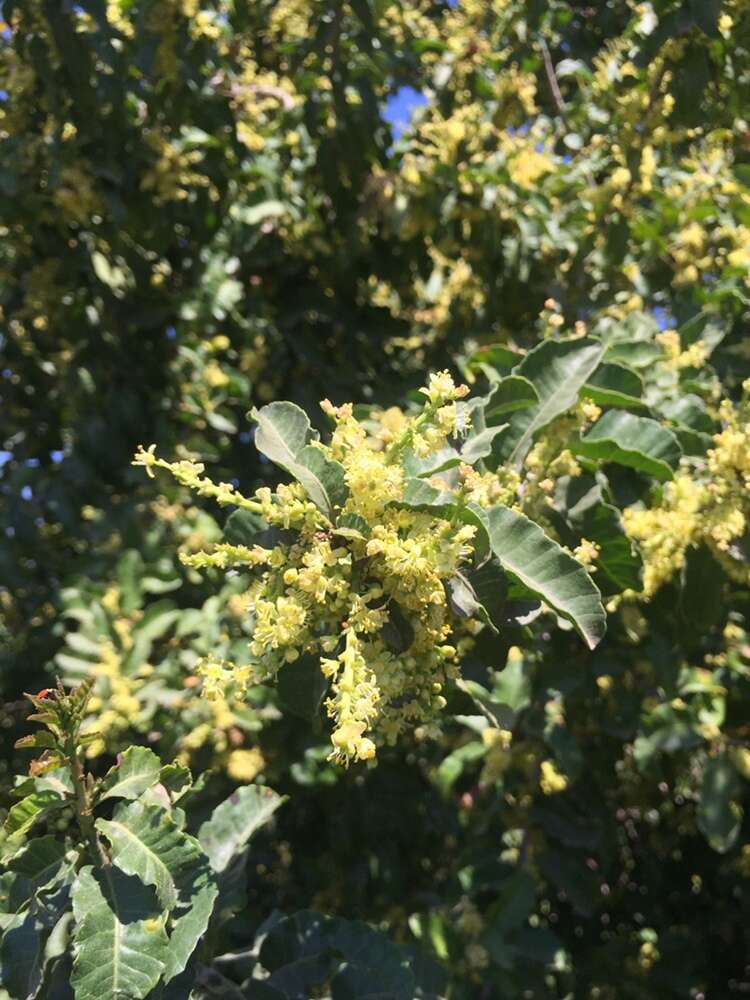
x=554 y=86
x=254 y=505
x=404 y=440
x=460 y=498
x=83 y=805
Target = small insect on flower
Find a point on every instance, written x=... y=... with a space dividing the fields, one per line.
x=45 y=693
x=463 y=421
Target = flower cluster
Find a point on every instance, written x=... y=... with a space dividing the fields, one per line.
x=713 y=508
x=365 y=597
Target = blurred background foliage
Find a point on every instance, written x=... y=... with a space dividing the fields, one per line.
x=207 y=206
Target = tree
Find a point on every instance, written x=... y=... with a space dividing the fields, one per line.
x=206 y=210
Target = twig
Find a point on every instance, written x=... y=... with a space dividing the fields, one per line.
x=83 y=806
x=554 y=86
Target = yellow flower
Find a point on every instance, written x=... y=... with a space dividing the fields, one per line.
x=740 y=257
x=277 y=623
x=245 y=765
x=442 y=389
x=620 y=178
x=214 y=376
x=648 y=168
x=552 y=781
x=587 y=552
x=528 y=167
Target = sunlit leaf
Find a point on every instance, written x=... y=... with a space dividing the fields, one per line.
x=146 y=842
x=284 y=435
x=638 y=442
x=137 y=769
x=120 y=943
x=541 y=565
x=234 y=822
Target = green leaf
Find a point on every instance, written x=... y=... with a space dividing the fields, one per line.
x=719 y=811
x=234 y=822
x=514 y=392
x=482 y=594
x=464 y=601
x=634 y=353
x=120 y=943
x=706 y=14
x=638 y=442
x=283 y=435
x=452 y=767
x=157 y=619
x=22 y=953
x=270 y=538
x=581 y=502
x=689 y=411
x=304 y=949
x=618 y=558
x=159 y=585
x=324 y=479
x=129 y=573
x=439 y=461
x=615 y=385
x=137 y=770
x=28 y=811
x=541 y=565
x=420 y=495
x=669 y=737
x=301 y=686
x=512 y=685
x=58 y=781
x=199 y=896
x=480 y=441
x=374 y=979
x=176 y=778
x=690 y=422
x=490 y=584
x=494 y=356
x=146 y=842
x=702 y=598
x=82 y=644
x=497 y=713
x=242 y=526
x=40 y=861
x=558 y=370
x=352 y=526
x=516 y=899
x=42 y=740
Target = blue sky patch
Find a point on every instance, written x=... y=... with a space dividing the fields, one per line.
x=400 y=107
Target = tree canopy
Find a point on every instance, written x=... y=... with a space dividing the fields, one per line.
x=209 y=214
